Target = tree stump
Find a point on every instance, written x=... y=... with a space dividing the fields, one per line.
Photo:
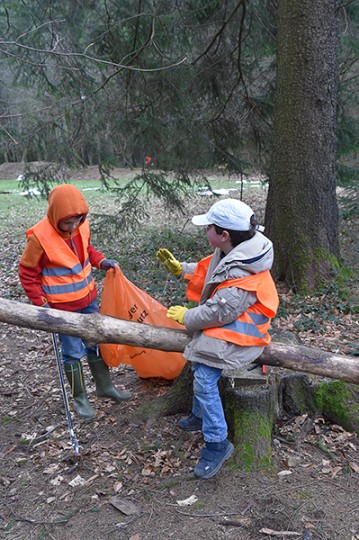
x=250 y=403
x=295 y=395
x=339 y=402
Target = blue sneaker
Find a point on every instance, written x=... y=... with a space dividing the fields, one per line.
x=212 y=458
x=191 y=423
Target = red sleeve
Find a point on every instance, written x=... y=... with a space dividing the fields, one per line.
x=96 y=257
x=33 y=261
x=30 y=267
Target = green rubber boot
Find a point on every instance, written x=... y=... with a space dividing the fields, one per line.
x=75 y=376
x=104 y=386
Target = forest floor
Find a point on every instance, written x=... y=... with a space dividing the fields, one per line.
x=134 y=480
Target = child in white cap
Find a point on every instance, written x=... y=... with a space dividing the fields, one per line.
x=237 y=299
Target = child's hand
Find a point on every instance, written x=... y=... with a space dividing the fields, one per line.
x=169 y=261
x=107 y=264
x=177 y=313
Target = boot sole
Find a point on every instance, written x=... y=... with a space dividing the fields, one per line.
x=226 y=456
x=85 y=416
x=116 y=399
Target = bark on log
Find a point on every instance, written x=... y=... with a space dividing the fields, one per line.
x=103 y=329
x=95 y=328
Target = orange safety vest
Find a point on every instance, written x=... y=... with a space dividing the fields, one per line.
x=251 y=327
x=196 y=280
x=63 y=278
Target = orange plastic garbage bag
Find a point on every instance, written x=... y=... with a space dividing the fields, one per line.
x=123 y=300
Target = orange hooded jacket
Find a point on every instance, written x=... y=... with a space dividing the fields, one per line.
x=55 y=267
x=63 y=278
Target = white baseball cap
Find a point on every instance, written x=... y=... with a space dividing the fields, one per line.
x=230 y=214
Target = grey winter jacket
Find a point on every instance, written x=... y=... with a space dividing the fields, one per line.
x=250 y=257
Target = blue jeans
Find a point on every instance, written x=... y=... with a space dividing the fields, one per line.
x=74 y=348
x=207 y=402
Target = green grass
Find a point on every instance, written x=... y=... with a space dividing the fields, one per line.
x=16 y=187
x=5 y=419
x=24 y=210
x=135 y=250
x=95 y=193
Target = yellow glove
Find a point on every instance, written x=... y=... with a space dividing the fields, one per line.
x=169 y=261
x=177 y=313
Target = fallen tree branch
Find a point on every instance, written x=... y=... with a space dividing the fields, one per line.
x=97 y=328
x=310 y=360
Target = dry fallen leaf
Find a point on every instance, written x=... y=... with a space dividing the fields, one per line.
x=336 y=470
x=354 y=466
x=117 y=486
x=284 y=473
x=123 y=505
x=56 y=481
x=148 y=471
x=52 y=469
x=77 y=481
x=187 y=502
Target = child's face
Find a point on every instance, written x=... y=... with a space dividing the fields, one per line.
x=213 y=238
x=70 y=224
x=221 y=241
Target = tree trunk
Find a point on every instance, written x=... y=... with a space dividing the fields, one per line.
x=302 y=213
x=99 y=328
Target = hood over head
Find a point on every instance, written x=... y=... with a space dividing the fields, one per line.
x=65 y=201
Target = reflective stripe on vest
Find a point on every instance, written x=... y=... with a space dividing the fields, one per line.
x=251 y=327
x=63 y=271
x=63 y=279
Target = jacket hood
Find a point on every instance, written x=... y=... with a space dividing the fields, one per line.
x=65 y=201
x=250 y=257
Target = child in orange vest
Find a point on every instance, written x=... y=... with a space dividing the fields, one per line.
x=56 y=271
x=236 y=299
